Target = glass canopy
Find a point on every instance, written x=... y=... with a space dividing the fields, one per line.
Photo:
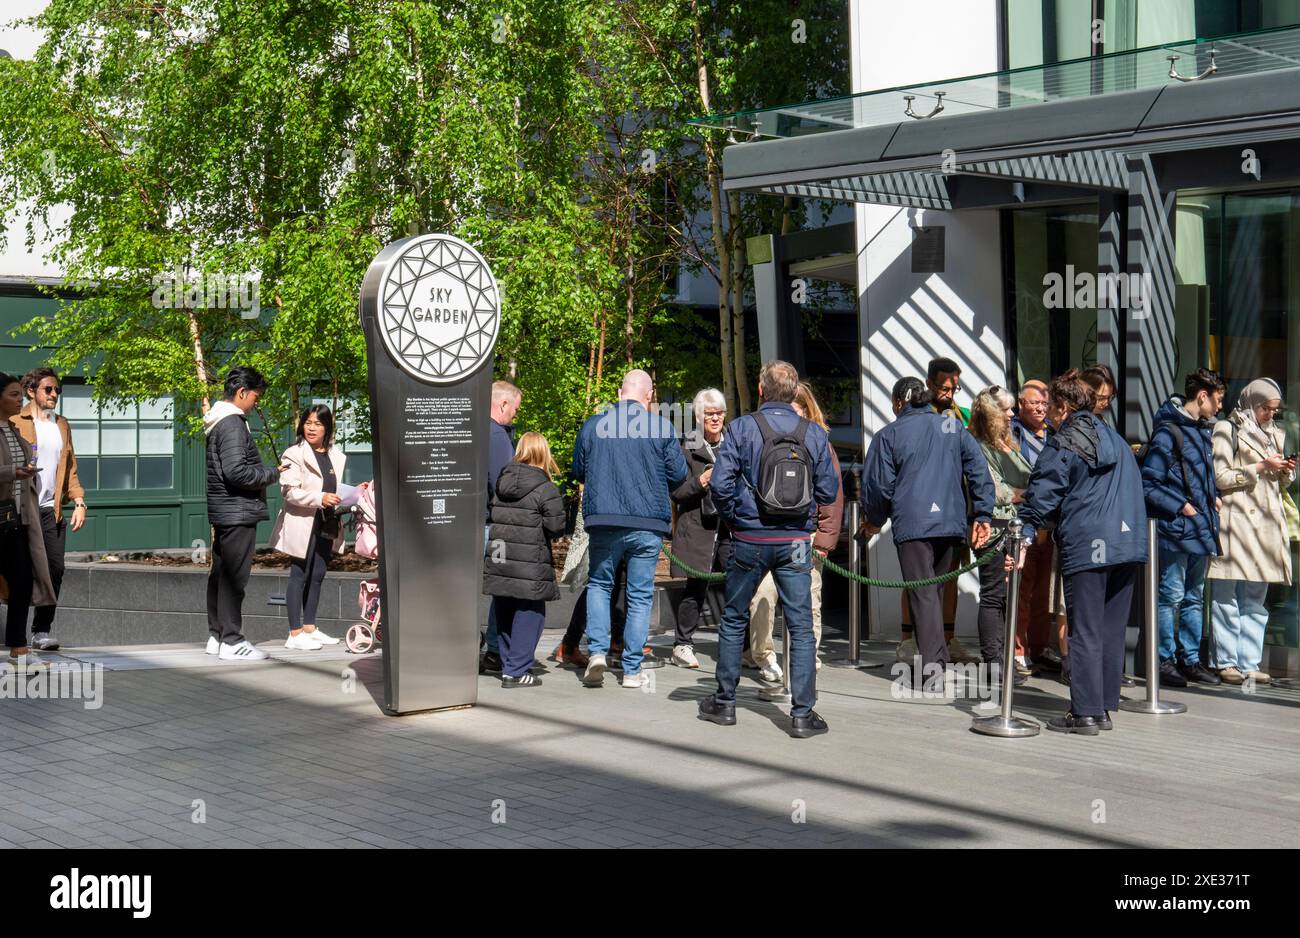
x=1149 y=67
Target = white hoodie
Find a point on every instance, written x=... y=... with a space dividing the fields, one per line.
x=219 y=412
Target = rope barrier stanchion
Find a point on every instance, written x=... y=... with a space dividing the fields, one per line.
x=855 y=588
x=1152 y=703
x=1004 y=724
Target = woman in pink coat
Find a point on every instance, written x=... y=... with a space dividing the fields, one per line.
x=308 y=528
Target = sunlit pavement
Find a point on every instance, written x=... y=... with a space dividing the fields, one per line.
x=186 y=751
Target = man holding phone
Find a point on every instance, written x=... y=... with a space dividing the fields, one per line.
x=237 y=483
x=57 y=483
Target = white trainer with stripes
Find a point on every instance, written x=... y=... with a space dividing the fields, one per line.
x=243 y=651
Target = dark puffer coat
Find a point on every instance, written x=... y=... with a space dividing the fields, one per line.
x=526 y=514
x=237 y=478
x=699 y=528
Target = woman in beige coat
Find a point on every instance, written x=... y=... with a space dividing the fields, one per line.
x=307 y=527
x=22 y=546
x=1252 y=472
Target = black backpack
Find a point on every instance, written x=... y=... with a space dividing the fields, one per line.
x=1177 y=432
x=785 y=473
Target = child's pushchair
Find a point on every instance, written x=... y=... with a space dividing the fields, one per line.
x=364 y=635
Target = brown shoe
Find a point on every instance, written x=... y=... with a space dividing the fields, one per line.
x=571 y=656
x=1231 y=676
x=1261 y=677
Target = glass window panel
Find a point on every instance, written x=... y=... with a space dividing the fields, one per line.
x=117 y=410
x=76 y=404
x=155 y=472
x=88 y=472
x=117 y=438
x=160 y=409
x=117 y=473
x=156 y=438
x=85 y=437
x=360 y=468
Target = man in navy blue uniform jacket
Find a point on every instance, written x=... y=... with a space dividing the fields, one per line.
x=1087 y=481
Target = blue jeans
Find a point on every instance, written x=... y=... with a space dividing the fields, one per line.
x=1182 y=591
x=791 y=566
x=491 y=638
x=606 y=547
x=1240 y=618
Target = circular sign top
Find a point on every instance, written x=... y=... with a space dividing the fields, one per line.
x=439 y=309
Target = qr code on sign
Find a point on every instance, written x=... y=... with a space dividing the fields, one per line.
x=439 y=506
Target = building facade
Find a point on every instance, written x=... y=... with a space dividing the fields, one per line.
x=990 y=149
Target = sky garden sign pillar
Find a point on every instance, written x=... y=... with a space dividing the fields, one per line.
x=430 y=308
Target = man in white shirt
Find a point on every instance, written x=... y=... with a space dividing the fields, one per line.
x=57 y=483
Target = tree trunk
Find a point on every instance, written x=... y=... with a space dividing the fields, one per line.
x=200 y=367
x=738 y=304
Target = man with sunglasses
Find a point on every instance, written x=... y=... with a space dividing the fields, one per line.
x=57 y=483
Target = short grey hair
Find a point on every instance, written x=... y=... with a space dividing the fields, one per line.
x=708 y=399
x=779 y=381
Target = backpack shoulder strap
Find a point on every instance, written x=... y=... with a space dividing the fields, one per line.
x=764 y=427
x=801 y=432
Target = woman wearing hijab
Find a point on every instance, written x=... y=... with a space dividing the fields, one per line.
x=1252 y=473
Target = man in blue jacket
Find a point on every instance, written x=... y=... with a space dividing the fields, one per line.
x=1178 y=481
x=912 y=477
x=1087 y=482
x=628 y=459
x=764 y=540
x=506 y=399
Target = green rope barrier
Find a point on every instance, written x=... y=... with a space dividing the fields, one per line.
x=988 y=557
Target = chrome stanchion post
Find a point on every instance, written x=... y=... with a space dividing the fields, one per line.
x=855 y=588
x=1151 y=645
x=1004 y=724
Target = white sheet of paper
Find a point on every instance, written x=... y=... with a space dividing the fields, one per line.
x=349 y=495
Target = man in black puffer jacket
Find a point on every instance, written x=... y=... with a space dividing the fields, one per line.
x=237 y=482
x=527 y=513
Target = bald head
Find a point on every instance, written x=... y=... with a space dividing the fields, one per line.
x=637 y=386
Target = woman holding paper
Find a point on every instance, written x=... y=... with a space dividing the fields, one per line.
x=307 y=527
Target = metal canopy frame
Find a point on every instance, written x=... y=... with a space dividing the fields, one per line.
x=1129 y=152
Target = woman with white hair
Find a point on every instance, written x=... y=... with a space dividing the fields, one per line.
x=700 y=537
x=1256 y=526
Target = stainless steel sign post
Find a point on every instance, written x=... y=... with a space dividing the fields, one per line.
x=430 y=308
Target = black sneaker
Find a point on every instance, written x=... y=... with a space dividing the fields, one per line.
x=723 y=714
x=1084 y=726
x=1044 y=663
x=490 y=663
x=1170 y=676
x=524 y=680
x=1197 y=673
x=811 y=725
x=1104 y=722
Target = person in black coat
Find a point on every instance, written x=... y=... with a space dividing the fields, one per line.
x=237 y=483
x=700 y=538
x=526 y=514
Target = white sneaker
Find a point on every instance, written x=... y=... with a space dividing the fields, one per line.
x=42 y=641
x=684 y=657
x=640 y=679
x=28 y=662
x=319 y=636
x=213 y=646
x=907 y=649
x=958 y=654
x=244 y=651
x=302 y=642
x=770 y=671
x=594 y=676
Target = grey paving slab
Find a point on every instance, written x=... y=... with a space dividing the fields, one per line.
x=281 y=756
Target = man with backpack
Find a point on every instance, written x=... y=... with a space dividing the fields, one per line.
x=773 y=470
x=1179 y=487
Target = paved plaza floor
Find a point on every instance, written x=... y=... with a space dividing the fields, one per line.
x=185 y=751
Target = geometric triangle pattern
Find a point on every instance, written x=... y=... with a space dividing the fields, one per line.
x=439 y=309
